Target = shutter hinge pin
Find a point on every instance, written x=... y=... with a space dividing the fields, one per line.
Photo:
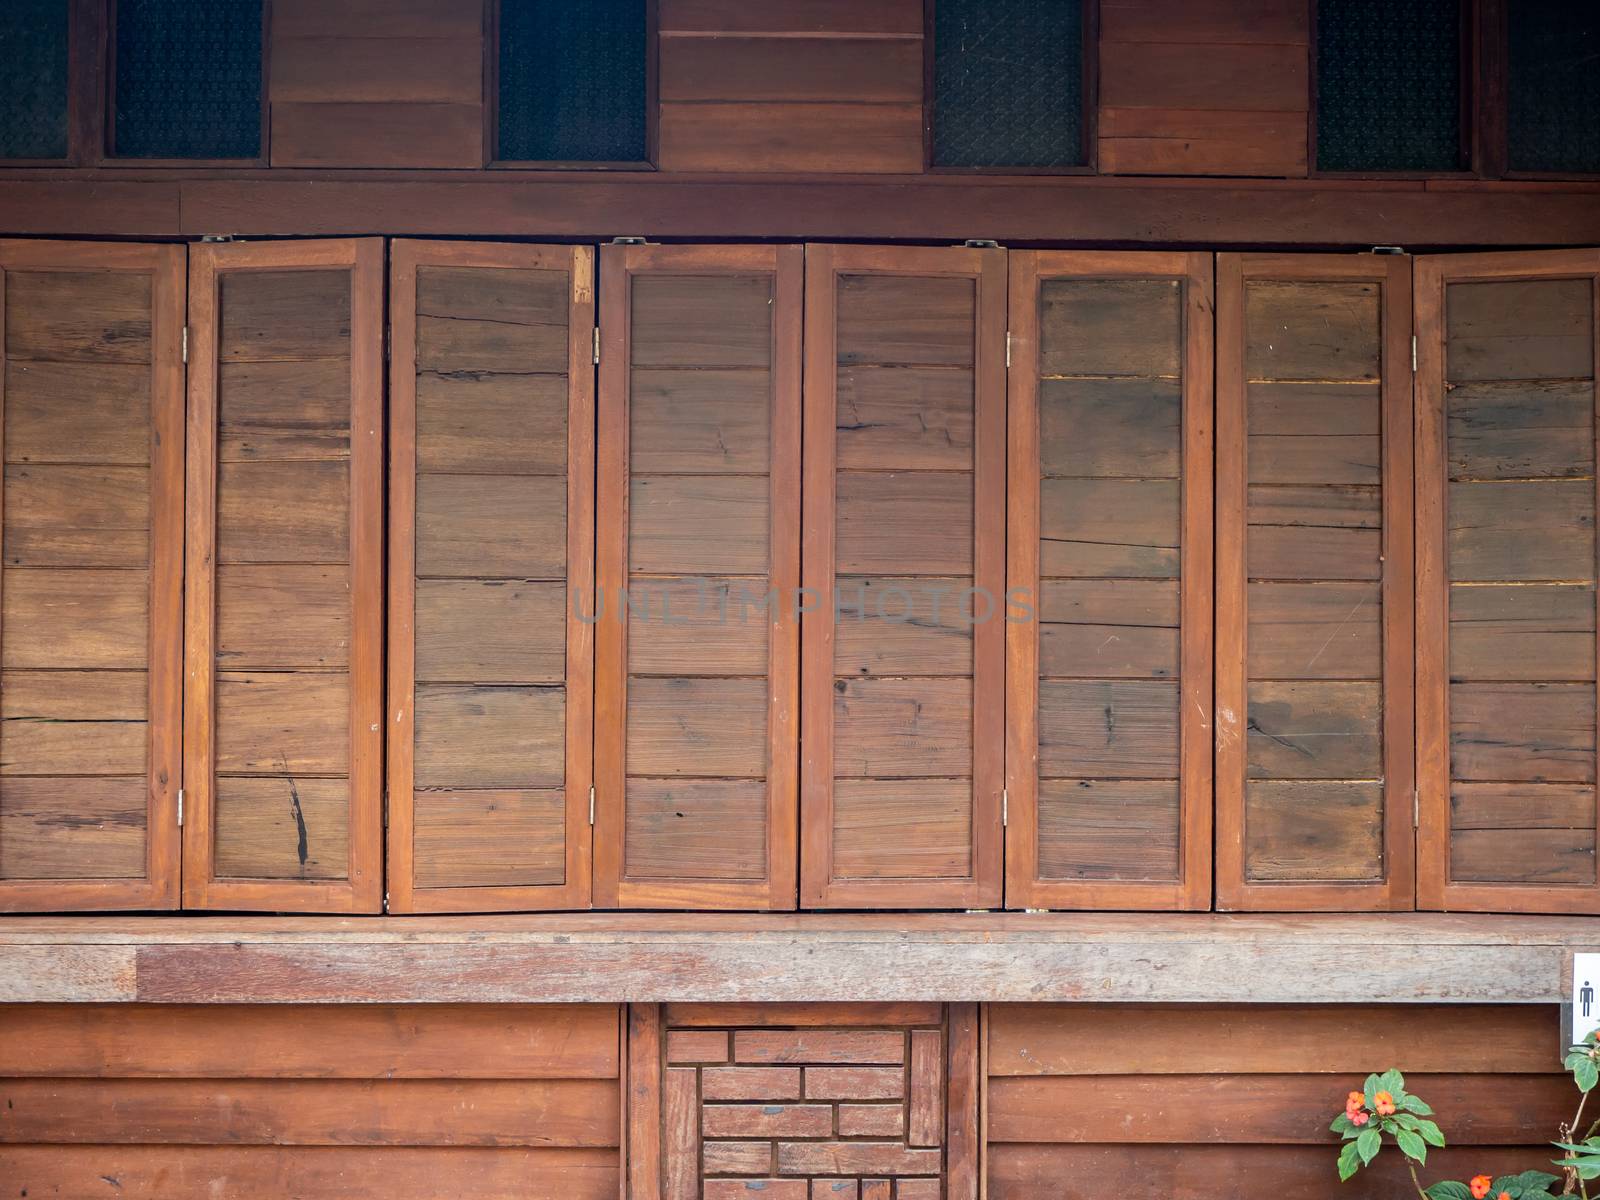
x=215 y=238
x=180 y=808
x=1008 y=349
x=1413 y=354
x=591 y=804
x=629 y=241
x=980 y=244
x=1387 y=250
x=1416 y=809
x=1005 y=807
x=597 y=345
x=185 y=343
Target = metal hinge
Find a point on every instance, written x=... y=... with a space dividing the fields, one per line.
x=180 y=808
x=1387 y=250
x=1005 y=807
x=1008 y=349
x=629 y=241
x=981 y=244
x=591 y=804
x=1416 y=809
x=1413 y=354
x=185 y=343
x=214 y=238
x=386 y=902
x=597 y=345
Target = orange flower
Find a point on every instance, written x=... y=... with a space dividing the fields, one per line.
x=1503 y=1196
x=1357 y=1117
x=1384 y=1103
x=1479 y=1186
x=1355 y=1100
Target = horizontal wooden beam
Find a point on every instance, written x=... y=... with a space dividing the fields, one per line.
x=1074 y=210
x=1198 y=958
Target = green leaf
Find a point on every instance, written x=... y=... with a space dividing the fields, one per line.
x=1537 y=1179
x=1393 y=1082
x=1405 y=1120
x=1413 y=1104
x=1449 y=1189
x=1371 y=1088
x=1576 y=1057
x=1343 y=1124
x=1586 y=1074
x=1349 y=1163
x=1412 y=1146
x=1368 y=1144
x=1430 y=1133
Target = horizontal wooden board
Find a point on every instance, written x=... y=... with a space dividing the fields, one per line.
x=1108 y=628
x=63 y=619
x=1322 y=831
x=73 y=516
x=500 y=838
x=1108 y=730
x=73 y=723
x=742 y=69
x=283 y=828
x=837 y=17
x=897 y=626
x=283 y=512
x=1153 y=1039
x=722 y=321
x=706 y=728
x=66 y=828
x=1522 y=806
x=1097 y=829
x=286 y=409
x=899 y=829
x=1269 y=76
x=1522 y=531
x=441 y=70
x=1203 y=22
x=1211 y=141
x=1314 y=631
x=903 y=522
x=78 y=316
x=1313 y=433
x=905 y=320
x=492 y=319
x=1109 y=527
x=77 y=412
x=360 y=18
x=280 y=617
x=489 y=736
x=695 y=829
x=1527 y=429
x=386 y=134
x=791 y=137
x=276 y=316
x=491 y=526
x=1318 y=729
x=1538 y=857
x=1096 y=327
x=1522 y=732
x=902 y=728
x=355 y=1041
x=490 y=631
x=699 y=525
x=1318 y=532
x=903 y=418
x=1119 y=427
x=1519 y=329
x=1314 y=331
x=698 y=626
x=711 y=420
x=1519 y=632
x=802 y=1015
x=488 y=423
x=282 y=723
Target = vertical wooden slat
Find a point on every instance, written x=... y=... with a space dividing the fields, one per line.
x=761 y=874
x=408 y=892
x=905 y=334
x=156 y=886
x=1186 y=749
x=359 y=887
x=642 y=1169
x=680 y=1104
x=962 y=1138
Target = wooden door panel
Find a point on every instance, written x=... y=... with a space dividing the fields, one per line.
x=284 y=612
x=1108 y=700
x=904 y=572
x=1314 y=733
x=491 y=535
x=698 y=577
x=1506 y=665
x=91 y=568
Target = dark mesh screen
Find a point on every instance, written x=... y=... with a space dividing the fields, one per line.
x=1554 y=122
x=1389 y=85
x=572 y=81
x=188 y=79
x=33 y=79
x=1008 y=83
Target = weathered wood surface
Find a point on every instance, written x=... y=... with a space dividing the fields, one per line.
x=1409 y=958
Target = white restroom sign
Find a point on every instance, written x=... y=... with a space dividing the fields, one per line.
x=1585 y=995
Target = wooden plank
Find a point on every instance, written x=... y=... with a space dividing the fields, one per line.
x=794 y=69
x=478 y=422
x=904 y=320
x=642 y=1155
x=680 y=1138
x=289 y=723
x=285 y=828
x=893 y=829
x=906 y=626
x=283 y=512
x=1549 y=857
x=1166 y=141
x=490 y=631
x=802 y=1015
x=1116 y=527
x=1314 y=730
x=1310 y=433
x=701 y=321
x=1314 y=631
x=904 y=523
x=1099 y=829
x=489 y=736
x=1108 y=730
x=73 y=723
x=1529 y=429
x=59 y=516
x=72 y=829
x=790 y=137
x=1522 y=732
x=699 y=525
x=1112 y=327
x=1310 y=831
x=327 y=69
x=76 y=316
x=714 y=829
x=288 y=409
x=388 y=134
x=74 y=618
x=77 y=412
x=480 y=839
x=1201 y=22
x=904 y=418
x=926 y=1098
x=1519 y=632
x=284 y=316
x=1106 y=629
x=1168 y=73
x=712 y=420
x=272 y=618
x=698 y=626
x=1320 y=533
x=1519 y=329
x=374 y=18
x=491 y=526
x=1521 y=531
x=1312 y=331
x=836 y=17
x=1110 y=427
x=702 y=728
x=481 y=318
x=902 y=729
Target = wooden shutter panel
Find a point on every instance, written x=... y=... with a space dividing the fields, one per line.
x=698 y=565
x=1109 y=627
x=904 y=706
x=284 y=613
x=91 y=389
x=1506 y=397
x=1314 y=576
x=491 y=547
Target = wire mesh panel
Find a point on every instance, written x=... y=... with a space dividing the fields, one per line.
x=33 y=79
x=1554 y=87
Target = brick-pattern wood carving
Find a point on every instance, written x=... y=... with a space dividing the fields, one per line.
x=804 y=1102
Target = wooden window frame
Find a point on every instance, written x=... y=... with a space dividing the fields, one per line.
x=1397 y=891
x=404 y=895
x=1435 y=891
x=97 y=142
x=618 y=265
x=362 y=890
x=165 y=265
x=1024 y=888
x=987 y=268
x=491 y=103
x=1089 y=102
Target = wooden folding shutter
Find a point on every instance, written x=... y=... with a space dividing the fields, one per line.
x=91 y=387
x=697 y=660
x=1109 y=626
x=1314 y=569
x=1506 y=397
x=491 y=553
x=284 y=613
x=904 y=649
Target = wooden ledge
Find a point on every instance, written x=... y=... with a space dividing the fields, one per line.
x=1194 y=958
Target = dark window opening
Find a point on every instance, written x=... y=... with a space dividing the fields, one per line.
x=33 y=79
x=1554 y=87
